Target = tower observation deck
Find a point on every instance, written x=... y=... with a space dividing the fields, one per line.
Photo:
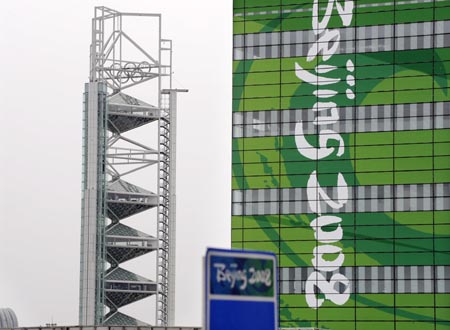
x=128 y=170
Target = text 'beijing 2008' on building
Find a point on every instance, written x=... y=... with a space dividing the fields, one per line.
x=326 y=45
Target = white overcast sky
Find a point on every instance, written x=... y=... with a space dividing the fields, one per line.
x=44 y=51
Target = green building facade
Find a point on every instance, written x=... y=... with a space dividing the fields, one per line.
x=341 y=157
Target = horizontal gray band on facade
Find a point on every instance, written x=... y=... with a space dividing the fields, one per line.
x=309 y=10
x=376 y=118
x=346 y=34
x=383 y=198
x=375 y=279
x=365 y=39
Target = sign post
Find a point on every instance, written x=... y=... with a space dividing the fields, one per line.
x=240 y=290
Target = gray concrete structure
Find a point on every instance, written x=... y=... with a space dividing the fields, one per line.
x=8 y=318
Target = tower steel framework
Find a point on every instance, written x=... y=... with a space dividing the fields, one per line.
x=118 y=62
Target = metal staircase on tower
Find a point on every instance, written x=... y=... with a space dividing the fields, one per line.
x=112 y=156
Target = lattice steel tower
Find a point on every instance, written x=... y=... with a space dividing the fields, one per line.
x=112 y=154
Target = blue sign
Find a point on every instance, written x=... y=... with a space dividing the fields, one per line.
x=241 y=290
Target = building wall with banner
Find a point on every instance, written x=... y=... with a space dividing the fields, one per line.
x=341 y=157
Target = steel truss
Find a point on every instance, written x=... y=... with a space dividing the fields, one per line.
x=108 y=156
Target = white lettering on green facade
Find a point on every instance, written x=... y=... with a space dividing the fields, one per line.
x=326 y=45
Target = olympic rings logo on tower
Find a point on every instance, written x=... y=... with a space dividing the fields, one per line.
x=130 y=71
